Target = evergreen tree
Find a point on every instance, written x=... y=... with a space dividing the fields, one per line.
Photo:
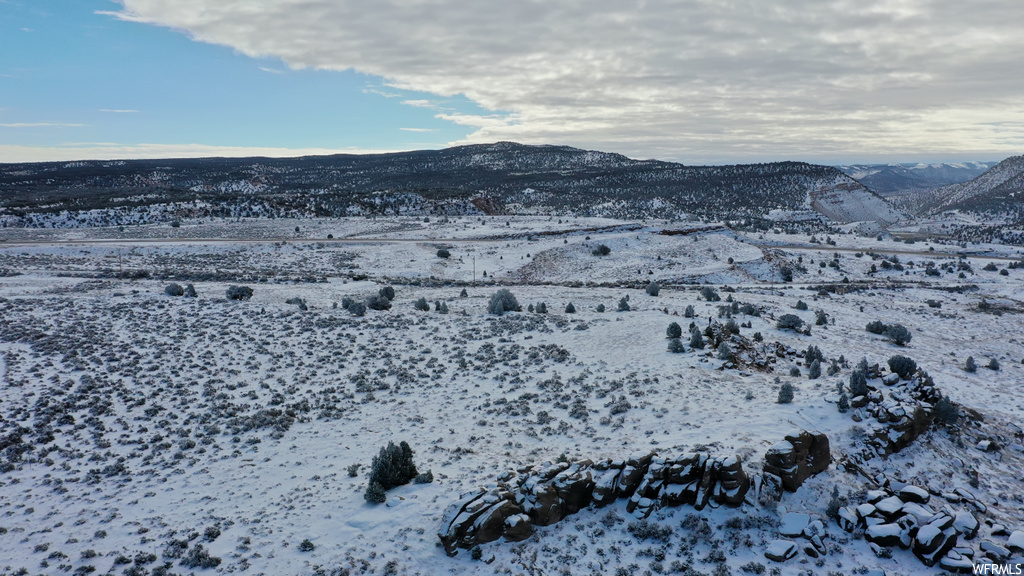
x=239 y=293
x=898 y=334
x=858 y=383
x=786 y=393
x=674 y=330
x=502 y=301
x=375 y=494
x=970 y=365
x=378 y=302
x=732 y=327
x=710 y=294
x=946 y=413
x=814 y=370
x=393 y=466
x=876 y=327
x=844 y=403
x=789 y=322
x=725 y=352
x=696 y=340
x=903 y=366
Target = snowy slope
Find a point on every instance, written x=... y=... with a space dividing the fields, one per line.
x=846 y=200
x=139 y=428
x=997 y=192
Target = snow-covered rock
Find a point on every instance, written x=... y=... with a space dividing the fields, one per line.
x=793 y=524
x=780 y=550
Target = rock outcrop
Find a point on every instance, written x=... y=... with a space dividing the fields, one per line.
x=797 y=458
x=901 y=410
x=904 y=519
x=544 y=494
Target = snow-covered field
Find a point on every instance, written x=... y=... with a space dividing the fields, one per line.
x=139 y=430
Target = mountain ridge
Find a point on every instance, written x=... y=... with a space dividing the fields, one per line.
x=502 y=177
x=997 y=195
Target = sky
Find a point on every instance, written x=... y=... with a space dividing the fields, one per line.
x=693 y=81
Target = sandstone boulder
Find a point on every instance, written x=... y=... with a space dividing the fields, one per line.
x=780 y=550
x=798 y=457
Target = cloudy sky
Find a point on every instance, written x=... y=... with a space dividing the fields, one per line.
x=696 y=81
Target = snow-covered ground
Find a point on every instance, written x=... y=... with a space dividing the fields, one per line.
x=138 y=426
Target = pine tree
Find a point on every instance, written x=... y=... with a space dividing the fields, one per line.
x=814 y=370
x=898 y=334
x=903 y=366
x=844 y=403
x=786 y=393
x=375 y=494
x=502 y=301
x=393 y=466
x=970 y=365
x=858 y=383
x=696 y=340
x=674 y=330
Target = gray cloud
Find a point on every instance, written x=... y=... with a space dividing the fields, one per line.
x=692 y=80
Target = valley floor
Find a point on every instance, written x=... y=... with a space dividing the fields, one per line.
x=139 y=430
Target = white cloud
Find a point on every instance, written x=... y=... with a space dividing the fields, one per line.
x=115 y=151
x=40 y=125
x=694 y=80
x=419 y=103
x=380 y=92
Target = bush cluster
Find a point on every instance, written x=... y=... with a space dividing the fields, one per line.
x=503 y=301
x=903 y=366
x=895 y=333
x=789 y=322
x=239 y=293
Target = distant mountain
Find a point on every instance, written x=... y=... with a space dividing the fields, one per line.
x=997 y=195
x=906 y=186
x=493 y=178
